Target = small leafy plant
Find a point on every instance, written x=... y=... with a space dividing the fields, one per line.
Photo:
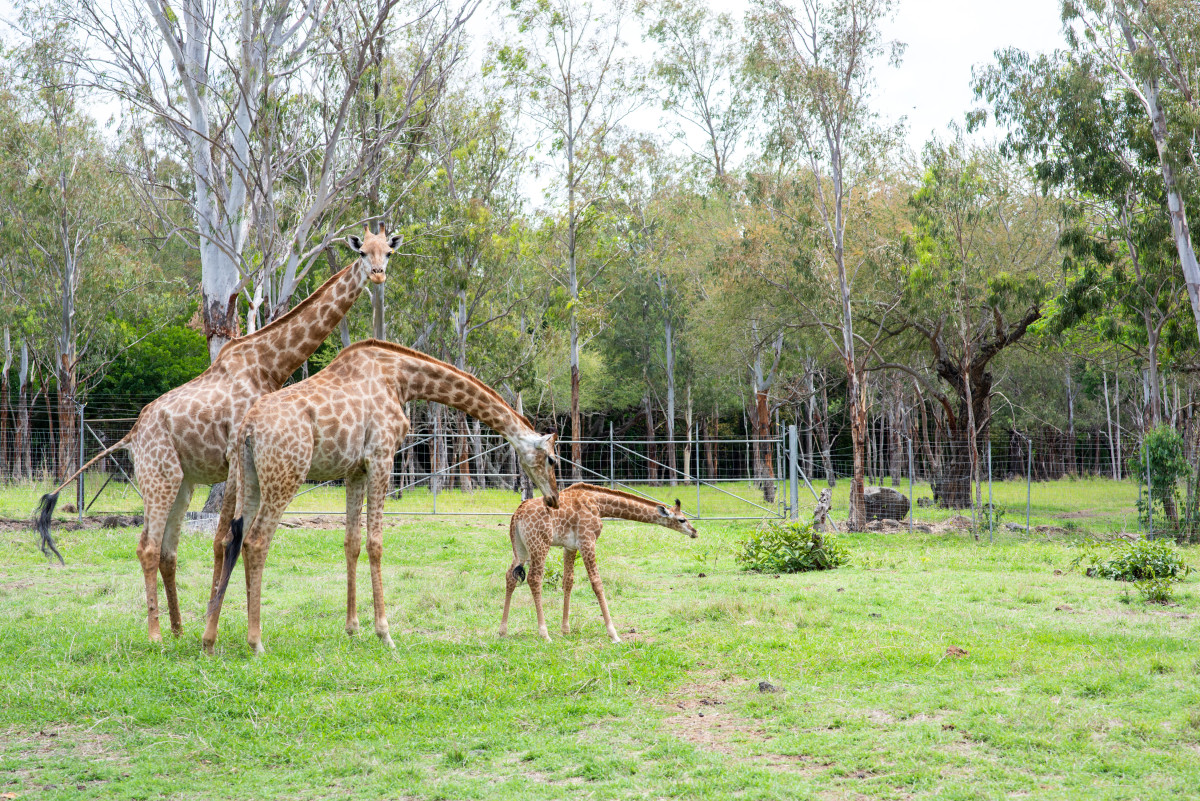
x=791 y=548
x=1153 y=566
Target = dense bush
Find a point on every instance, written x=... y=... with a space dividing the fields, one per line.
x=1168 y=466
x=1153 y=566
x=791 y=548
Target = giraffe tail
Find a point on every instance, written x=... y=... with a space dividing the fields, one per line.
x=514 y=534
x=44 y=514
x=232 y=550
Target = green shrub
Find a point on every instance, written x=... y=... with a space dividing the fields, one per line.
x=791 y=548
x=1168 y=466
x=1139 y=560
x=1157 y=591
x=1153 y=566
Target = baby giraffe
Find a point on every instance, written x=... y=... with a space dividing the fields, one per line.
x=574 y=526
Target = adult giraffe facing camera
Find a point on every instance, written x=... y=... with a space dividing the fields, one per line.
x=180 y=439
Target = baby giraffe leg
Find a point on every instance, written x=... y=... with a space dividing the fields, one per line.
x=537 y=569
x=510 y=584
x=568 y=582
x=593 y=571
x=356 y=488
x=376 y=492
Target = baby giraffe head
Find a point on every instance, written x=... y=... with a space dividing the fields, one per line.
x=674 y=519
x=536 y=454
x=373 y=251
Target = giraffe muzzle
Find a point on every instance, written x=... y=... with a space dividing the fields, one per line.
x=377 y=276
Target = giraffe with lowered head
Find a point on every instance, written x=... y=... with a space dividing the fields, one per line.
x=180 y=439
x=348 y=421
x=575 y=526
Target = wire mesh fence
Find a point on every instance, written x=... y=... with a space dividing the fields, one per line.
x=1011 y=481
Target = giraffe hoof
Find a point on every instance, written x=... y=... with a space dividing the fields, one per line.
x=207 y=648
x=545 y=635
x=155 y=637
x=258 y=648
x=503 y=633
x=386 y=639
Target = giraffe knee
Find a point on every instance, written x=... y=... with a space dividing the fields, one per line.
x=375 y=550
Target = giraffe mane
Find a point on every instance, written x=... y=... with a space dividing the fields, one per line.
x=416 y=354
x=292 y=312
x=628 y=496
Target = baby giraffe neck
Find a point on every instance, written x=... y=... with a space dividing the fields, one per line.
x=623 y=508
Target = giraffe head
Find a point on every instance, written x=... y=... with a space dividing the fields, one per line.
x=537 y=457
x=373 y=251
x=674 y=520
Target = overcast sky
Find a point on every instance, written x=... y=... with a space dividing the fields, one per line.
x=944 y=39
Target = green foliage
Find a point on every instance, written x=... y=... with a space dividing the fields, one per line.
x=160 y=361
x=1168 y=466
x=791 y=548
x=1143 y=561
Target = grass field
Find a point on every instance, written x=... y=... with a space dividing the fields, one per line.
x=1069 y=687
x=1083 y=505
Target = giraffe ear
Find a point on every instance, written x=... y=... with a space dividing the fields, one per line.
x=355 y=243
x=662 y=511
x=394 y=241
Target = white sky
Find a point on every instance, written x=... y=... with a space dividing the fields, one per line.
x=944 y=39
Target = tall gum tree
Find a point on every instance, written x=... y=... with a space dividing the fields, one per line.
x=813 y=64
x=568 y=62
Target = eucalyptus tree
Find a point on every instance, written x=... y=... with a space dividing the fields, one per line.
x=813 y=66
x=1084 y=136
x=257 y=100
x=698 y=75
x=1151 y=48
x=569 y=62
x=68 y=262
x=980 y=265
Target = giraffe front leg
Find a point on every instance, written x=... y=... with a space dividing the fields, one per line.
x=593 y=571
x=537 y=569
x=356 y=488
x=380 y=477
x=568 y=583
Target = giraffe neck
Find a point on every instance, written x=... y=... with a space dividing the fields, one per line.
x=421 y=377
x=620 y=505
x=280 y=347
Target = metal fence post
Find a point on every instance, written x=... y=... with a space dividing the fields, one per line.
x=1028 y=482
x=912 y=502
x=1149 y=492
x=433 y=460
x=793 y=483
x=612 y=464
x=696 y=439
x=991 y=503
x=79 y=490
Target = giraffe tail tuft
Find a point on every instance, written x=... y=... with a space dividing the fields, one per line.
x=232 y=551
x=518 y=572
x=42 y=517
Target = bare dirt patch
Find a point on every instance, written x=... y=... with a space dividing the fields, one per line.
x=8 y=524
x=55 y=742
x=702 y=715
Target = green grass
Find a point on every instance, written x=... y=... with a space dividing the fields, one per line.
x=1067 y=690
x=1083 y=505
